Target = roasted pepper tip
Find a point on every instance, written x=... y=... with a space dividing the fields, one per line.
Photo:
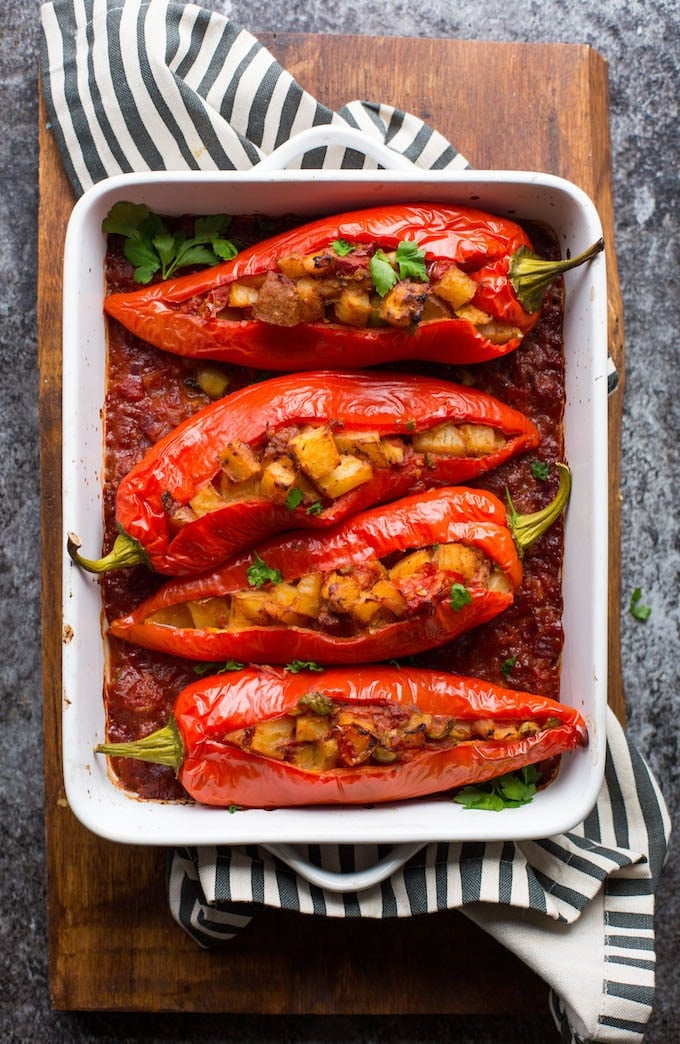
x=526 y=529
x=162 y=747
x=531 y=276
x=126 y=551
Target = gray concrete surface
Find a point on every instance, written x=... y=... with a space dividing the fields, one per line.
x=641 y=41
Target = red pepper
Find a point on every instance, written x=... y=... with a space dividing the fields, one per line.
x=408 y=734
x=194 y=617
x=152 y=497
x=188 y=315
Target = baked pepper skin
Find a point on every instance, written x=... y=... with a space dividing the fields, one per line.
x=449 y=515
x=391 y=404
x=169 y=314
x=219 y=774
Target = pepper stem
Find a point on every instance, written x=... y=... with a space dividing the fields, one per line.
x=531 y=275
x=526 y=529
x=162 y=747
x=126 y=551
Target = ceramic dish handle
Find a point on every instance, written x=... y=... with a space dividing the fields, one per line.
x=330 y=134
x=355 y=881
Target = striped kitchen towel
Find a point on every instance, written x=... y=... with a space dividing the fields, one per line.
x=133 y=86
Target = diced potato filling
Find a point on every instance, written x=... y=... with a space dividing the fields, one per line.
x=313 y=465
x=321 y=734
x=347 y=601
x=332 y=287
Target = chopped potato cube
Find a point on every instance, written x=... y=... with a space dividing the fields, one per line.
x=316 y=757
x=340 y=591
x=242 y=295
x=248 y=609
x=473 y=315
x=410 y=564
x=315 y=451
x=498 y=332
x=311 y=302
x=209 y=613
x=349 y=473
x=498 y=581
x=238 y=461
x=456 y=287
x=270 y=737
x=240 y=491
x=480 y=439
x=458 y=558
x=212 y=380
x=366 y=444
x=393 y=448
x=403 y=304
x=353 y=307
x=278 y=478
x=389 y=597
x=308 y=595
x=292 y=266
x=206 y=500
x=310 y=728
x=445 y=439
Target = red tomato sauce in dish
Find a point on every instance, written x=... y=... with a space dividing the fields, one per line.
x=150 y=391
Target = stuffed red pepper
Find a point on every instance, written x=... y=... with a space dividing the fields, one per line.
x=389 y=582
x=265 y=739
x=420 y=281
x=301 y=452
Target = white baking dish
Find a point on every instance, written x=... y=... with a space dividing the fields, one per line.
x=95 y=800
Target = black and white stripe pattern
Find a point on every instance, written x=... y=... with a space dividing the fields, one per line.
x=135 y=85
x=160 y=85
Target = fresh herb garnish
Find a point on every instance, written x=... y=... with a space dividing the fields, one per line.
x=507 y=666
x=411 y=261
x=259 y=573
x=459 y=597
x=316 y=508
x=296 y=666
x=294 y=498
x=151 y=247
x=509 y=791
x=540 y=469
x=636 y=607
x=342 y=247
x=383 y=275
x=218 y=668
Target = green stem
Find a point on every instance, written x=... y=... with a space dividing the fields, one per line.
x=526 y=529
x=531 y=275
x=162 y=747
x=126 y=551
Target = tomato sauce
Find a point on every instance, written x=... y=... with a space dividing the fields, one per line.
x=149 y=392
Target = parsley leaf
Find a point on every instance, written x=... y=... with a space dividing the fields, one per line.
x=540 y=469
x=507 y=666
x=636 y=608
x=218 y=668
x=295 y=666
x=342 y=247
x=459 y=597
x=259 y=573
x=411 y=261
x=508 y=791
x=383 y=275
x=316 y=508
x=151 y=247
x=294 y=497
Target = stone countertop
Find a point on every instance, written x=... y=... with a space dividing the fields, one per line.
x=641 y=42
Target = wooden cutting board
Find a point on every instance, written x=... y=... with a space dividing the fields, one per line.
x=112 y=942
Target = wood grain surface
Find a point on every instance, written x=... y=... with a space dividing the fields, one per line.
x=112 y=942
